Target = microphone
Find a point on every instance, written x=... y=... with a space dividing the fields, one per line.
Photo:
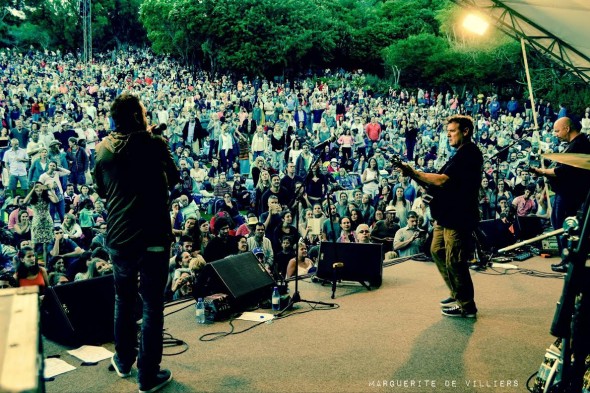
x=159 y=129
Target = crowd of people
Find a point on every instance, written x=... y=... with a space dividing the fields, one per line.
x=275 y=163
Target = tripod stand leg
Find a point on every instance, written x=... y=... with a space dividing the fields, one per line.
x=334 y=285
x=364 y=284
x=335 y=267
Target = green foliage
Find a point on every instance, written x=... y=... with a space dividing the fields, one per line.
x=418 y=57
x=27 y=34
x=379 y=85
x=395 y=42
x=60 y=21
x=246 y=36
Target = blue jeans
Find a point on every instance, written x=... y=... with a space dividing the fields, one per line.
x=23 y=180
x=256 y=154
x=153 y=273
x=58 y=208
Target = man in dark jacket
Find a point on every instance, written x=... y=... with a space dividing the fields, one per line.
x=134 y=171
x=193 y=132
x=78 y=162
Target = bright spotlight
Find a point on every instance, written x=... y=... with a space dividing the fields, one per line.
x=476 y=24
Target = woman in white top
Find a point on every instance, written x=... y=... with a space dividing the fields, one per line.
x=294 y=151
x=71 y=228
x=226 y=145
x=370 y=178
x=402 y=206
x=302 y=263
x=198 y=175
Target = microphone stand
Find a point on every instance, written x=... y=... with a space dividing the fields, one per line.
x=498 y=156
x=296 y=298
x=336 y=265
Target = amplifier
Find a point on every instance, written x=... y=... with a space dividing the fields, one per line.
x=217 y=307
x=21 y=361
x=549 y=246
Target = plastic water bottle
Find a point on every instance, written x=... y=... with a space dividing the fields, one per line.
x=200 y=311
x=276 y=299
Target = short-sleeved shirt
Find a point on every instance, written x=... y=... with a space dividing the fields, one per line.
x=404 y=234
x=456 y=204
x=16 y=167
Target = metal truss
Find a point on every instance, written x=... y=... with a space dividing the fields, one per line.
x=86 y=16
x=518 y=26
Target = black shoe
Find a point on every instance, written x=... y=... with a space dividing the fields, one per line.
x=478 y=267
x=457 y=311
x=159 y=381
x=562 y=263
x=559 y=268
x=121 y=371
x=448 y=302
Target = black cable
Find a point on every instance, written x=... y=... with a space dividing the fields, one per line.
x=192 y=301
x=177 y=302
x=498 y=272
x=217 y=335
x=540 y=274
x=529 y=380
x=528 y=272
x=170 y=342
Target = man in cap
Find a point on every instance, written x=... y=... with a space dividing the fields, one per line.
x=64 y=133
x=385 y=230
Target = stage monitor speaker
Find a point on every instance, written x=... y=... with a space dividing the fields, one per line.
x=528 y=227
x=494 y=235
x=363 y=262
x=80 y=312
x=240 y=276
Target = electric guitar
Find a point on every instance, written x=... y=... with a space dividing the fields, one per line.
x=430 y=192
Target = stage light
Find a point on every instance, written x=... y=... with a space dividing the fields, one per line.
x=476 y=24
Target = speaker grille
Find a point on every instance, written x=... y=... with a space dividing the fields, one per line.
x=240 y=276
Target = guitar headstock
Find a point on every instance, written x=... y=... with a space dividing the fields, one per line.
x=396 y=161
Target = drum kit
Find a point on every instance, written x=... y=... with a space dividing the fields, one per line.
x=566 y=368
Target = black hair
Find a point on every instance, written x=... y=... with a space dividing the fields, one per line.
x=123 y=109
x=23 y=271
x=101 y=253
x=221 y=222
x=44 y=195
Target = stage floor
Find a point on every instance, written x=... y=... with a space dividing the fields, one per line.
x=391 y=339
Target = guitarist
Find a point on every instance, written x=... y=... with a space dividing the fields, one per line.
x=571 y=185
x=455 y=208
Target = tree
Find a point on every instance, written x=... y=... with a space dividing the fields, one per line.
x=244 y=36
x=413 y=57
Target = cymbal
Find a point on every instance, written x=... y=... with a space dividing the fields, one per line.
x=573 y=159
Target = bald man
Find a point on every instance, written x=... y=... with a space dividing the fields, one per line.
x=571 y=185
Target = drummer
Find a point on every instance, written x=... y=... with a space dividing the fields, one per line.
x=571 y=185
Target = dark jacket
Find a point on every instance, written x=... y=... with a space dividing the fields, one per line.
x=134 y=173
